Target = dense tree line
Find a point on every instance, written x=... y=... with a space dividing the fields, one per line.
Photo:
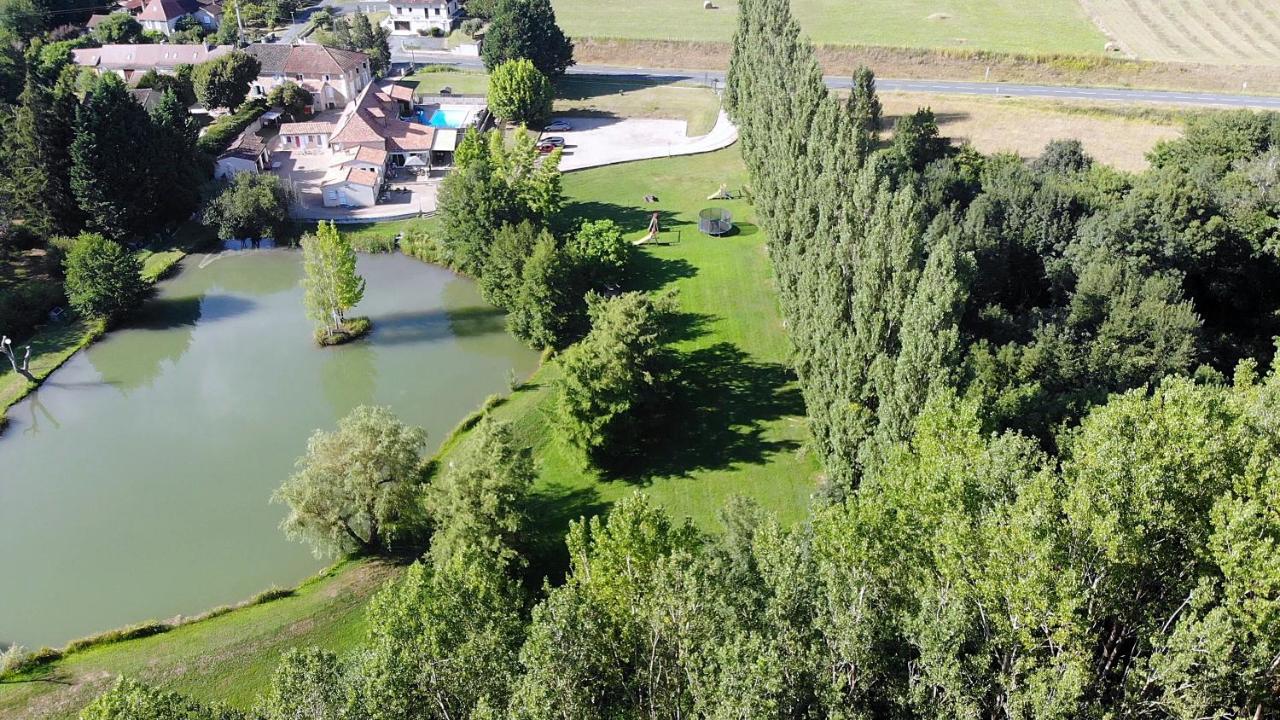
x=78 y=154
x=1039 y=288
x=973 y=576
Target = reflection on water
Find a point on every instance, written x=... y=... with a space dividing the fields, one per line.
x=136 y=480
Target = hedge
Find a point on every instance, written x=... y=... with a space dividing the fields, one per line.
x=225 y=129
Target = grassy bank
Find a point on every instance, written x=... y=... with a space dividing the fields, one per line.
x=742 y=430
x=228 y=657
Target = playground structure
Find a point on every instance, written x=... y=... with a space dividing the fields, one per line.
x=652 y=236
x=715 y=221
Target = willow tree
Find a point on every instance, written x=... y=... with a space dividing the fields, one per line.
x=332 y=285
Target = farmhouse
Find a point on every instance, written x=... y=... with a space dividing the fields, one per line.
x=409 y=17
x=333 y=77
x=162 y=16
x=130 y=60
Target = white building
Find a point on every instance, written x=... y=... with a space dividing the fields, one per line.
x=162 y=15
x=410 y=17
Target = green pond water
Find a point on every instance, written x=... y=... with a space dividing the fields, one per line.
x=134 y=485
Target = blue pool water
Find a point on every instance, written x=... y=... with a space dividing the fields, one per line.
x=443 y=118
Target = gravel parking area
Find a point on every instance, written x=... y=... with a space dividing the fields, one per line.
x=596 y=141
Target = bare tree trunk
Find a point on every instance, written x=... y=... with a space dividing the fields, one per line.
x=21 y=368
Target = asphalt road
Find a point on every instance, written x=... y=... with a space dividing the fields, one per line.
x=1050 y=92
x=401 y=55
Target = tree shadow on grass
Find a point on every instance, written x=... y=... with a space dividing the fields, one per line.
x=715 y=420
x=550 y=509
x=650 y=273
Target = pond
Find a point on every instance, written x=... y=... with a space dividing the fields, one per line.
x=134 y=485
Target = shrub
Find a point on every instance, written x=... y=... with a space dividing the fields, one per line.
x=613 y=378
x=103 y=278
x=373 y=242
x=471 y=26
x=420 y=245
x=271 y=593
x=131 y=632
x=519 y=93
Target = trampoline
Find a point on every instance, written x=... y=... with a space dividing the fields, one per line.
x=715 y=221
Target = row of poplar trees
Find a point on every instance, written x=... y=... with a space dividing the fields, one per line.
x=1016 y=375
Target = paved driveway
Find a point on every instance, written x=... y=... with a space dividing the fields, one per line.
x=596 y=141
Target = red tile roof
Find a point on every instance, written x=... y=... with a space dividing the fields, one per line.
x=362 y=176
x=373 y=119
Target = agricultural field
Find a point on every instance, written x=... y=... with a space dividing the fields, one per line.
x=1025 y=127
x=1243 y=32
x=1043 y=26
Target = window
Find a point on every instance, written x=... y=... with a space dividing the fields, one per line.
x=298 y=77
x=326 y=78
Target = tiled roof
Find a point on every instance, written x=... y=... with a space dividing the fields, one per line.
x=146 y=97
x=400 y=92
x=418 y=2
x=95 y=21
x=305 y=59
x=248 y=145
x=131 y=5
x=375 y=156
x=306 y=128
x=363 y=176
x=373 y=118
x=134 y=57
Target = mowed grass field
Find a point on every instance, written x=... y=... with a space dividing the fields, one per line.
x=740 y=428
x=619 y=96
x=1022 y=26
x=1245 y=32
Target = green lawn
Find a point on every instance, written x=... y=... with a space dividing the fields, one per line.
x=598 y=95
x=739 y=430
x=1024 y=26
x=228 y=658
x=624 y=97
x=460 y=81
x=742 y=430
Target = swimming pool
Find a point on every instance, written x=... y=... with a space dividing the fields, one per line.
x=444 y=117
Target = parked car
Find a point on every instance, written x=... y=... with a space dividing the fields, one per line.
x=558 y=126
x=554 y=141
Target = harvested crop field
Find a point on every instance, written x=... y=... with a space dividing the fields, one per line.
x=1234 y=32
x=1043 y=26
